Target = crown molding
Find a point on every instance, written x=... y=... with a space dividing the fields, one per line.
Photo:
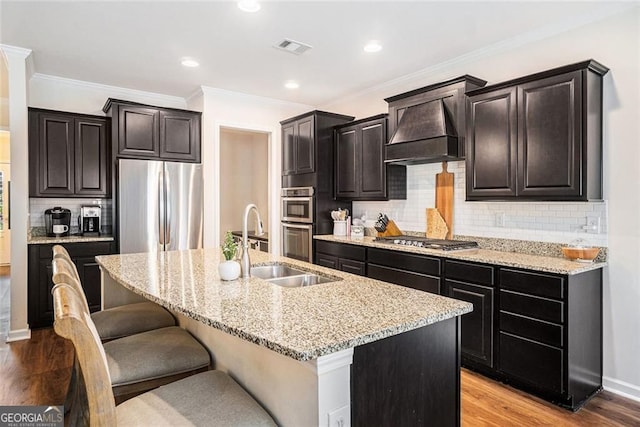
x=116 y=91
x=426 y=75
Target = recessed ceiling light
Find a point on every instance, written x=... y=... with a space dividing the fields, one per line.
x=373 y=46
x=291 y=85
x=189 y=62
x=249 y=6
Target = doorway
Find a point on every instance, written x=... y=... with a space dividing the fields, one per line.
x=244 y=178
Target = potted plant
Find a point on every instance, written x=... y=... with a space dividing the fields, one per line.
x=230 y=268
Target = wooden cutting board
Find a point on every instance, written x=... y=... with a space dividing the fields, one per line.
x=444 y=197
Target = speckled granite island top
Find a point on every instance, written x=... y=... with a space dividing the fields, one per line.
x=303 y=323
x=509 y=259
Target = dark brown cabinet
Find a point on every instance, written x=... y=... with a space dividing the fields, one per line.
x=40 y=302
x=298 y=146
x=360 y=170
x=414 y=271
x=538 y=137
x=68 y=154
x=473 y=283
x=148 y=132
x=348 y=258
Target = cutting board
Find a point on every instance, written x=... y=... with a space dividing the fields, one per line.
x=436 y=227
x=444 y=197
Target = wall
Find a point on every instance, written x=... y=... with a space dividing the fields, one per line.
x=615 y=42
x=244 y=176
x=224 y=109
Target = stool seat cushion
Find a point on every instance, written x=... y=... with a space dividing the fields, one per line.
x=210 y=398
x=154 y=354
x=125 y=320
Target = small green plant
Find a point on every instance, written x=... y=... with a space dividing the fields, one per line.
x=229 y=247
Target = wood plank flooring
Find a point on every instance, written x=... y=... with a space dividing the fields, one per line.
x=36 y=372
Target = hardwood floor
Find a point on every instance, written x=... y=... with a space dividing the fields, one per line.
x=36 y=372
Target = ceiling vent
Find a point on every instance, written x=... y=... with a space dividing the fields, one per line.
x=292 y=46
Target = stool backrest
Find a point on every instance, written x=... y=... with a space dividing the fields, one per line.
x=63 y=272
x=71 y=321
x=60 y=252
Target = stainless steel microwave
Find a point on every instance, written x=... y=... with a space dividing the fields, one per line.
x=297 y=204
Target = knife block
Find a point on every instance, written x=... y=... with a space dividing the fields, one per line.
x=392 y=230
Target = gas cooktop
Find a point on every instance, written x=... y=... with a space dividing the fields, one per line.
x=423 y=242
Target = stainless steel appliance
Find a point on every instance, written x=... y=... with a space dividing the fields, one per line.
x=159 y=206
x=89 y=220
x=297 y=223
x=424 y=242
x=57 y=221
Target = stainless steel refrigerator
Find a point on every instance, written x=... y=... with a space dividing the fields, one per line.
x=159 y=206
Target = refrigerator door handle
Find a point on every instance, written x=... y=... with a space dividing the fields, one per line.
x=161 y=218
x=168 y=207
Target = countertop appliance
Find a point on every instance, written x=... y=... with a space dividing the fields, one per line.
x=159 y=206
x=57 y=221
x=423 y=242
x=89 y=220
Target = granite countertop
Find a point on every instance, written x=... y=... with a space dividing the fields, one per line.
x=509 y=259
x=302 y=323
x=44 y=240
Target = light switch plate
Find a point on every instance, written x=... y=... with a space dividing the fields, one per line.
x=340 y=417
x=593 y=224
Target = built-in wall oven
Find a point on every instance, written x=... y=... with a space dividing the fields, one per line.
x=297 y=223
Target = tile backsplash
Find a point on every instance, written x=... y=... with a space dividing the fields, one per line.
x=558 y=222
x=37 y=206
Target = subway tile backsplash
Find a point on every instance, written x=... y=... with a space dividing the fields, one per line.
x=37 y=206
x=558 y=222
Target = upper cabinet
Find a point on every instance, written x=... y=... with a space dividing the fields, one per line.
x=148 y=132
x=68 y=154
x=360 y=170
x=538 y=137
x=307 y=150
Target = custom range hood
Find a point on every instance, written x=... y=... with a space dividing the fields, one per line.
x=427 y=125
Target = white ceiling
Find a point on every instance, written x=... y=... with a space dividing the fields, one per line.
x=138 y=45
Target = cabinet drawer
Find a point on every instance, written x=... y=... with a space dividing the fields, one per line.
x=418 y=281
x=530 y=306
x=468 y=272
x=351 y=266
x=405 y=261
x=537 y=364
x=547 y=333
x=76 y=250
x=327 y=260
x=341 y=250
x=538 y=284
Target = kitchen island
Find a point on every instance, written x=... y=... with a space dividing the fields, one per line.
x=354 y=349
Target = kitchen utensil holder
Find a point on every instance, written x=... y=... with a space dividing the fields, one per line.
x=340 y=228
x=392 y=230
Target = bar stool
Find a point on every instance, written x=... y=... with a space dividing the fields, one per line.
x=209 y=398
x=122 y=321
x=139 y=362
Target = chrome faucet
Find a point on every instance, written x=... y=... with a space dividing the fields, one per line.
x=245 y=261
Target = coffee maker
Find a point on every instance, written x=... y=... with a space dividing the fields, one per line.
x=57 y=221
x=89 y=220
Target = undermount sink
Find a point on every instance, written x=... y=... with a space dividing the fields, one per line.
x=288 y=277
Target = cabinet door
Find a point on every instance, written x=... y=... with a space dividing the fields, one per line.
x=373 y=180
x=550 y=138
x=91 y=157
x=52 y=147
x=40 y=300
x=138 y=131
x=492 y=145
x=305 y=146
x=288 y=149
x=347 y=163
x=477 y=326
x=180 y=135
x=89 y=273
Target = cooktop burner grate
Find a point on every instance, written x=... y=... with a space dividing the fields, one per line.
x=423 y=242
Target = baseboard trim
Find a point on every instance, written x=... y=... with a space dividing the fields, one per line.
x=18 y=335
x=624 y=389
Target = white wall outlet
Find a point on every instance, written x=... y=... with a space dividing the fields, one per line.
x=500 y=219
x=592 y=224
x=340 y=417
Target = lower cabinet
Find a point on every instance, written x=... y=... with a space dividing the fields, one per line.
x=414 y=271
x=348 y=258
x=40 y=301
